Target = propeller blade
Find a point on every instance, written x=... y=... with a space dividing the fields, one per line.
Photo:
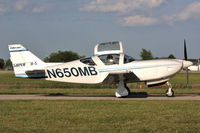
x=185 y=50
x=185 y=56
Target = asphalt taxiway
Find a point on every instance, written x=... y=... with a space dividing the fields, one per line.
x=97 y=97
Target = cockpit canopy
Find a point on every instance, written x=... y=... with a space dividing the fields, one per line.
x=109 y=53
x=108 y=48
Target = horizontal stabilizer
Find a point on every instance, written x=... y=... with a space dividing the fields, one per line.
x=36 y=74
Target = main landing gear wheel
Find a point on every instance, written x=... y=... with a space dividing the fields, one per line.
x=169 y=92
x=122 y=91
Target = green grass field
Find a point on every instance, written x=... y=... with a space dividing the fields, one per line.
x=61 y=116
x=99 y=116
x=9 y=84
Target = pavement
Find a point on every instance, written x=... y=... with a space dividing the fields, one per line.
x=98 y=97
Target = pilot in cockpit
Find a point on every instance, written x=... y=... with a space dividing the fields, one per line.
x=110 y=59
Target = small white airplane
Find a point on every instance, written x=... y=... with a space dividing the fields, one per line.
x=108 y=65
x=194 y=68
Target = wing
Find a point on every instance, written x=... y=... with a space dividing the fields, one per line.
x=114 y=78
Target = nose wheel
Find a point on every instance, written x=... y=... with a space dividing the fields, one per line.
x=169 y=91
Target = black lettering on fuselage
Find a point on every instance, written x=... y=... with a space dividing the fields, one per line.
x=92 y=70
x=74 y=72
x=68 y=72
x=84 y=71
x=59 y=73
x=51 y=73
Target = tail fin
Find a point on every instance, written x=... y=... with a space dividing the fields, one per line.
x=23 y=60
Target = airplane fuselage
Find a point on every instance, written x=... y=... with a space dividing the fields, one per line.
x=146 y=71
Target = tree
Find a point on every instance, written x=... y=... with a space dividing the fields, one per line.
x=2 y=63
x=8 y=65
x=171 y=56
x=146 y=54
x=62 y=56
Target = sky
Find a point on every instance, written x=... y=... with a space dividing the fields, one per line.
x=46 y=26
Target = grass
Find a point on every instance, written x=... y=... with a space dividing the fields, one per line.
x=9 y=84
x=99 y=116
x=180 y=78
x=52 y=116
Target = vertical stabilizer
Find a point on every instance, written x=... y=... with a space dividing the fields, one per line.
x=23 y=60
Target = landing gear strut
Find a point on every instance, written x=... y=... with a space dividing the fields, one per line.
x=169 y=92
x=122 y=91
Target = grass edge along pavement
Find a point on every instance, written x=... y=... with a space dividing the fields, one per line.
x=12 y=85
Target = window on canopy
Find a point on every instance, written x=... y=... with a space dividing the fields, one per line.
x=128 y=59
x=109 y=46
x=109 y=59
x=88 y=61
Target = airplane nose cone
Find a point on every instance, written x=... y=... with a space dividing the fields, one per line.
x=186 y=63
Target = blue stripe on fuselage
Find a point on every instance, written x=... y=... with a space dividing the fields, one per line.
x=129 y=68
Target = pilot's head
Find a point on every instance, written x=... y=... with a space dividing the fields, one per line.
x=110 y=59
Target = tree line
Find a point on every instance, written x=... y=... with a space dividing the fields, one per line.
x=5 y=64
x=147 y=55
x=66 y=56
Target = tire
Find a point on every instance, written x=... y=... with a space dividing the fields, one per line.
x=169 y=95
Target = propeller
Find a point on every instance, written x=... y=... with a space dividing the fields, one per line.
x=185 y=57
x=185 y=50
